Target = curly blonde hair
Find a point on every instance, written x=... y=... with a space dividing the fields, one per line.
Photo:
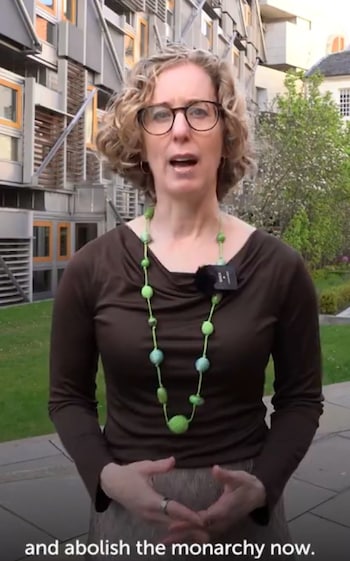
x=120 y=138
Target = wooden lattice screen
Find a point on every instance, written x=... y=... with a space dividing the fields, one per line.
x=48 y=127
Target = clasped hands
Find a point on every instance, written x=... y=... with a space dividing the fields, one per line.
x=131 y=486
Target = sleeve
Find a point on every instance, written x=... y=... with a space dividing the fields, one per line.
x=297 y=400
x=73 y=367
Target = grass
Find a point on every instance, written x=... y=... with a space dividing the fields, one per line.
x=24 y=345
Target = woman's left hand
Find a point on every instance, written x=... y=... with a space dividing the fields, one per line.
x=242 y=493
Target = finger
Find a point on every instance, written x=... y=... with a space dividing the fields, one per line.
x=219 y=512
x=231 y=477
x=180 y=512
x=164 y=465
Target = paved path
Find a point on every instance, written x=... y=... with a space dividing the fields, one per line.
x=42 y=500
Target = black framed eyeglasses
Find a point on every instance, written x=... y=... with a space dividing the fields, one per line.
x=201 y=116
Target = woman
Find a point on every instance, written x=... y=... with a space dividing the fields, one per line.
x=185 y=455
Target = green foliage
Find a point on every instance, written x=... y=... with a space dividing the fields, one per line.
x=302 y=191
x=334 y=300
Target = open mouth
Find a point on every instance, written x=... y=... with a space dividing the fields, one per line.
x=183 y=163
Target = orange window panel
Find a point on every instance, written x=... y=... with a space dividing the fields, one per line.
x=10 y=104
x=42 y=241
x=63 y=241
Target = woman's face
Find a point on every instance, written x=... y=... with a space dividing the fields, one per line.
x=183 y=161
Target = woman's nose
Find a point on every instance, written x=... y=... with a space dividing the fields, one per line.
x=180 y=125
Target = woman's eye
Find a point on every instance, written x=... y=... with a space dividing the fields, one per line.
x=160 y=115
x=198 y=112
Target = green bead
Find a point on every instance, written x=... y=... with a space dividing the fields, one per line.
x=196 y=400
x=216 y=299
x=145 y=237
x=149 y=213
x=207 y=328
x=145 y=263
x=156 y=357
x=147 y=291
x=220 y=237
x=162 y=395
x=202 y=364
x=152 y=321
x=221 y=261
x=178 y=424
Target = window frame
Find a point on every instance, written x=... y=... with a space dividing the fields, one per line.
x=47 y=258
x=60 y=226
x=130 y=33
x=92 y=145
x=19 y=147
x=19 y=109
x=209 y=24
x=141 y=21
x=73 y=21
x=52 y=11
x=344 y=105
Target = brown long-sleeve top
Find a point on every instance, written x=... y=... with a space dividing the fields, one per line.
x=99 y=310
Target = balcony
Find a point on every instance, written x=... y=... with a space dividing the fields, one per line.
x=288 y=45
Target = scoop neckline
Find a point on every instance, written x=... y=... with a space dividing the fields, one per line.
x=231 y=261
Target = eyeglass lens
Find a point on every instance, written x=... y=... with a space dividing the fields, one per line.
x=201 y=116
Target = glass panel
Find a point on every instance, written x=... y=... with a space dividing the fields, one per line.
x=45 y=29
x=143 y=39
x=48 y=3
x=8 y=103
x=8 y=148
x=42 y=281
x=41 y=241
x=63 y=241
x=89 y=123
x=129 y=50
x=68 y=9
x=59 y=274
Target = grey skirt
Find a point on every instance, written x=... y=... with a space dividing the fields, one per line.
x=113 y=534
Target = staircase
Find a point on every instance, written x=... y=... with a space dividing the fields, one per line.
x=15 y=271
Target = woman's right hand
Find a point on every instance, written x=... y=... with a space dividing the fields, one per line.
x=131 y=486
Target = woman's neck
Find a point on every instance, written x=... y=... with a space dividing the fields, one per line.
x=177 y=220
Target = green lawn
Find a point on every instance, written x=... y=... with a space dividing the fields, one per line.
x=24 y=343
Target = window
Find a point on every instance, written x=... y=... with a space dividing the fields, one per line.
x=42 y=241
x=143 y=35
x=63 y=241
x=247 y=14
x=129 y=49
x=45 y=29
x=9 y=148
x=49 y=5
x=170 y=20
x=130 y=18
x=207 y=29
x=42 y=281
x=345 y=102
x=10 y=104
x=236 y=62
x=91 y=120
x=69 y=10
x=338 y=44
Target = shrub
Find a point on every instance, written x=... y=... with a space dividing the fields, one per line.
x=334 y=300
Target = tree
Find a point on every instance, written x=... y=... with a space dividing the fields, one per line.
x=302 y=190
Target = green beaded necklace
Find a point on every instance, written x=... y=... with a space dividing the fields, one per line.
x=179 y=423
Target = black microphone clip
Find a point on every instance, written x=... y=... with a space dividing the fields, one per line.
x=216 y=278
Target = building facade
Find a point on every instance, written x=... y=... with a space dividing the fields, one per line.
x=297 y=35
x=335 y=70
x=60 y=61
